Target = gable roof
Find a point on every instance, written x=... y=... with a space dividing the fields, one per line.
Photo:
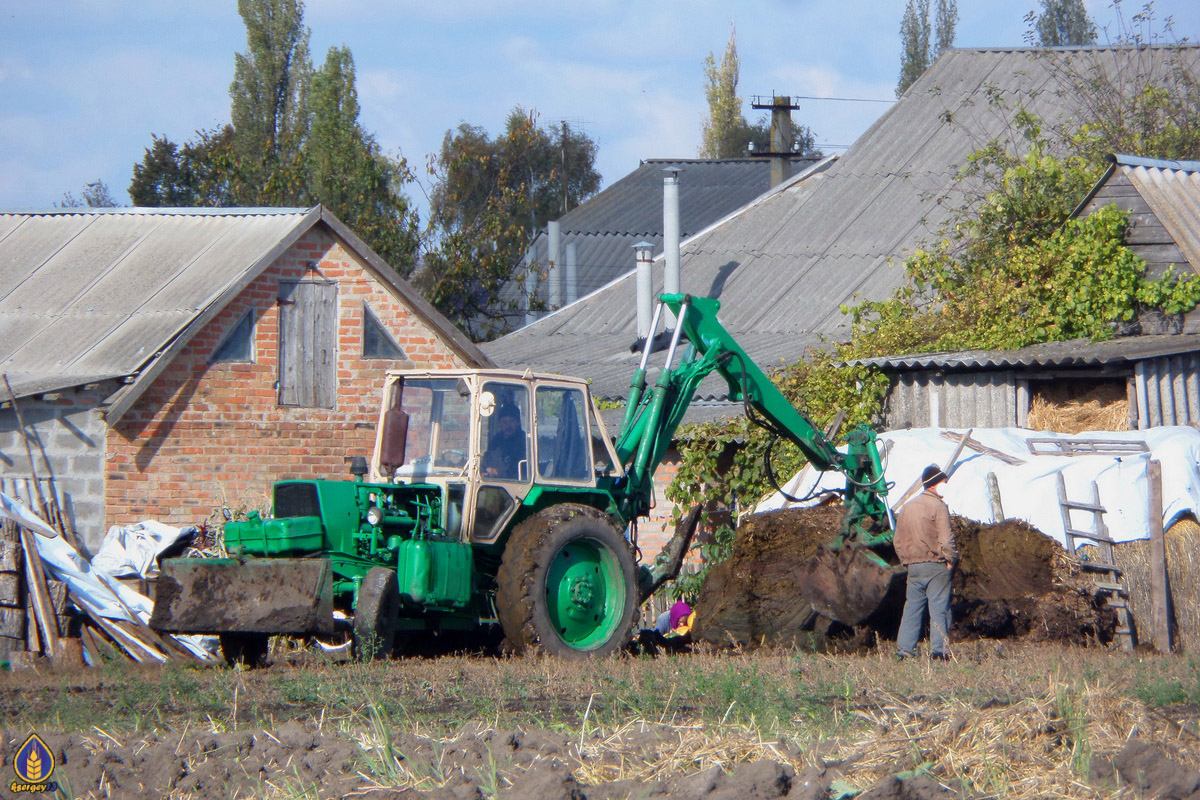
x=784 y=266
x=93 y=294
x=607 y=226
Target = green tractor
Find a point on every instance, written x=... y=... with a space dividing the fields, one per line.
x=496 y=497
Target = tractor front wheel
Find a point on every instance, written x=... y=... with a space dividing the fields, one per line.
x=375 y=614
x=567 y=584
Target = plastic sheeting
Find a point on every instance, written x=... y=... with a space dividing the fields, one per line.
x=90 y=591
x=133 y=550
x=1029 y=491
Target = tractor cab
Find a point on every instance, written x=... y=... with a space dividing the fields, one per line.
x=488 y=437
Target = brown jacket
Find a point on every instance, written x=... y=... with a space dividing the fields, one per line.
x=923 y=531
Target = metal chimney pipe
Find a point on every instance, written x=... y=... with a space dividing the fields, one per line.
x=553 y=232
x=671 y=231
x=571 y=262
x=645 y=288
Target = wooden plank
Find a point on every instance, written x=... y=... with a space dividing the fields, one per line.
x=36 y=583
x=10 y=589
x=1160 y=591
x=994 y=496
x=987 y=451
x=12 y=623
x=1039 y=446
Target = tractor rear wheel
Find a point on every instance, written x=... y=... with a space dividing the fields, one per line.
x=375 y=614
x=567 y=584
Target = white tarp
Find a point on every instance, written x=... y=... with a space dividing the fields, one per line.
x=1029 y=491
x=132 y=550
x=91 y=592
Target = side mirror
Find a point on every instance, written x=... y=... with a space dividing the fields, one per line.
x=394 y=438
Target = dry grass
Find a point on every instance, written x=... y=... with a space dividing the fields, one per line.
x=1182 y=542
x=1074 y=408
x=1003 y=720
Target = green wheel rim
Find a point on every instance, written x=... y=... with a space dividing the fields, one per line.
x=585 y=593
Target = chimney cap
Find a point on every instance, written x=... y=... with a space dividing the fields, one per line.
x=644 y=246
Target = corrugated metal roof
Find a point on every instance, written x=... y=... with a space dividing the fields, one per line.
x=784 y=265
x=88 y=295
x=606 y=227
x=1172 y=190
x=1073 y=353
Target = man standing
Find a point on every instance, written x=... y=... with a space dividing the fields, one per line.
x=925 y=544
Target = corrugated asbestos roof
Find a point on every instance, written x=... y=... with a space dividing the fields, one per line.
x=606 y=227
x=1073 y=353
x=89 y=295
x=784 y=265
x=1172 y=190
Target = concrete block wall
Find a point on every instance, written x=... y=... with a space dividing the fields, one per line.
x=206 y=435
x=67 y=445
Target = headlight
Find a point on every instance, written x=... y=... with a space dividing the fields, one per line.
x=374 y=515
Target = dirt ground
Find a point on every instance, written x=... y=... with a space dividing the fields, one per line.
x=1008 y=723
x=1012 y=583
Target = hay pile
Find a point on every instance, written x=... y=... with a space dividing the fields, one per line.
x=1182 y=542
x=1072 y=408
x=1012 y=582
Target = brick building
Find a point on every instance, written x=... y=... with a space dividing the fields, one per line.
x=168 y=363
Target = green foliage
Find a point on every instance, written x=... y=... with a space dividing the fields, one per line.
x=94 y=195
x=295 y=140
x=1013 y=269
x=921 y=42
x=1061 y=22
x=490 y=198
x=726 y=133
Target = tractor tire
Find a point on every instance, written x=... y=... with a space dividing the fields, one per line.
x=244 y=649
x=375 y=614
x=567 y=585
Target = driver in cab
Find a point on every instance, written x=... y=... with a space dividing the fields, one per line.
x=506 y=448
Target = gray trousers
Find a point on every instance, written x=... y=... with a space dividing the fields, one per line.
x=928 y=585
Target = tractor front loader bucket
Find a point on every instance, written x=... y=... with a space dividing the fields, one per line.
x=847 y=584
x=225 y=595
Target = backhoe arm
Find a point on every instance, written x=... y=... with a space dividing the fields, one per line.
x=651 y=419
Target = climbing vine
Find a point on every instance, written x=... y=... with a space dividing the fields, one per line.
x=1012 y=268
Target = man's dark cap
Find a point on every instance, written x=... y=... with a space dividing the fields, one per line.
x=932 y=476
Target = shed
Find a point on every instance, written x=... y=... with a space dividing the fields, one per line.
x=167 y=363
x=1155 y=365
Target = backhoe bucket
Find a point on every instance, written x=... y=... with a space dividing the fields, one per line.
x=263 y=595
x=847 y=585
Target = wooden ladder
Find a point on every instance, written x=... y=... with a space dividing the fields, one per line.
x=1109 y=575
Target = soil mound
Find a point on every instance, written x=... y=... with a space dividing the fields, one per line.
x=1012 y=582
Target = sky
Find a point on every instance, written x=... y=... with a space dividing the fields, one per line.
x=84 y=84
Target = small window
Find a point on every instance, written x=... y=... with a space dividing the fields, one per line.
x=239 y=342
x=563 y=454
x=377 y=342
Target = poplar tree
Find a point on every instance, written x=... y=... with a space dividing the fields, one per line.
x=920 y=42
x=1061 y=22
x=269 y=95
x=724 y=131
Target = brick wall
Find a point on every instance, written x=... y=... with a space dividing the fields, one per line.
x=656 y=530
x=206 y=435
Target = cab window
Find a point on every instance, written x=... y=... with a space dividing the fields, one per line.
x=563 y=449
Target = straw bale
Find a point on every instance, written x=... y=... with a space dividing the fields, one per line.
x=1182 y=542
x=1077 y=406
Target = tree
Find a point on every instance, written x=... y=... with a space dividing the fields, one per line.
x=295 y=140
x=1061 y=22
x=490 y=198
x=269 y=97
x=94 y=195
x=198 y=173
x=916 y=51
x=348 y=174
x=725 y=131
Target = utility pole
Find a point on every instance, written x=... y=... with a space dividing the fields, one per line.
x=564 y=168
x=783 y=137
